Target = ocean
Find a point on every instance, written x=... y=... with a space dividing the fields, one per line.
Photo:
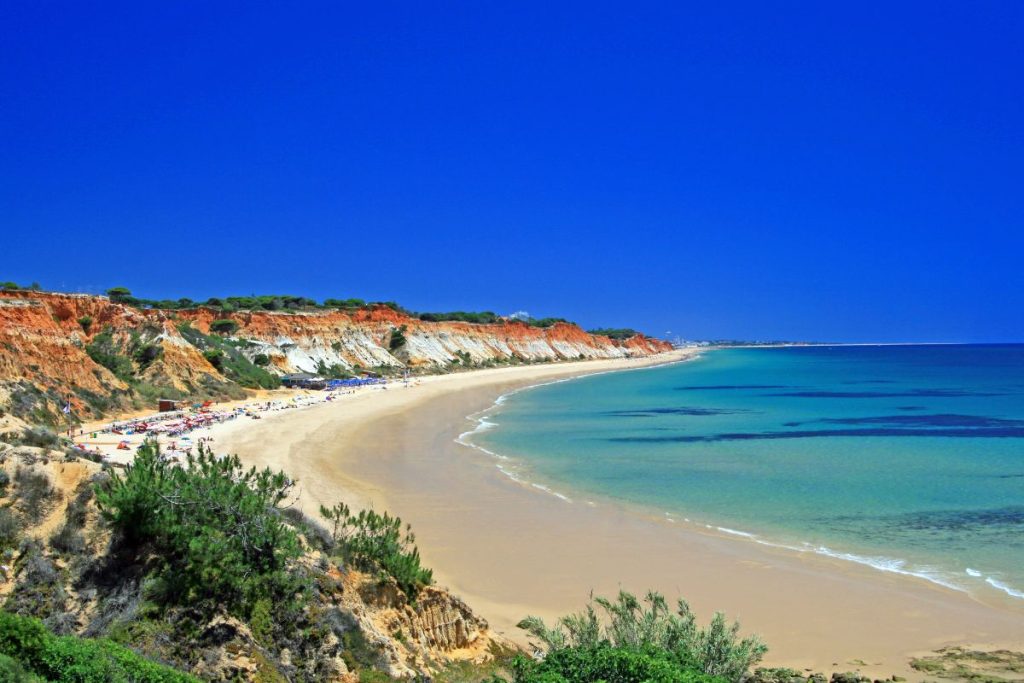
x=909 y=459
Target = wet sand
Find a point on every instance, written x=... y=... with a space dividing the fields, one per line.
x=510 y=549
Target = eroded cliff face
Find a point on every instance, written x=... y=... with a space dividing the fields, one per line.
x=46 y=339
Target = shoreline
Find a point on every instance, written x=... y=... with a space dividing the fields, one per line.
x=510 y=549
x=1000 y=594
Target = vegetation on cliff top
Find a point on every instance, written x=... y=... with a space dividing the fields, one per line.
x=481 y=318
x=266 y=302
x=14 y=286
x=292 y=302
x=618 y=333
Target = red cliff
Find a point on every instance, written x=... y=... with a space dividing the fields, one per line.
x=105 y=356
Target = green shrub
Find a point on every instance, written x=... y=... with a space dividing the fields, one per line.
x=614 y=332
x=350 y=304
x=214 y=357
x=397 y=339
x=76 y=660
x=40 y=437
x=227 y=357
x=546 y=322
x=105 y=351
x=224 y=326
x=261 y=360
x=86 y=323
x=144 y=354
x=261 y=623
x=652 y=630
x=120 y=294
x=13 y=672
x=67 y=539
x=34 y=493
x=603 y=662
x=215 y=526
x=10 y=529
x=378 y=543
x=483 y=318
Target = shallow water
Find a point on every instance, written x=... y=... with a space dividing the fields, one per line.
x=907 y=458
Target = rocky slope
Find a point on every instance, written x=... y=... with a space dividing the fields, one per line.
x=50 y=344
x=58 y=563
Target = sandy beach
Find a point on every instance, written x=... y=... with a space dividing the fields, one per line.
x=511 y=549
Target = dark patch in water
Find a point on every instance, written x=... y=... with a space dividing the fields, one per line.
x=910 y=407
x=976 y=433
x=940 y=420
x=951 y=520
x=914 y=393
x=1010 y=476
x=871 y=381
x=730 y=387
x=955 y=530
x=652 y=412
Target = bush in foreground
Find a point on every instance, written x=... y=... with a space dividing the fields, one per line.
x=379 y=543
x=634 y=641
x=29 y=652
x=609 y=665
x=214 y=527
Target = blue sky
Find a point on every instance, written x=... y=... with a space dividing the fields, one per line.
x=827 y=171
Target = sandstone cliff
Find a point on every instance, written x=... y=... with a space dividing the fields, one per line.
x=104 y=356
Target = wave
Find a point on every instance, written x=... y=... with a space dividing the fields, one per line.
x=893 y=565
x=554 y=493
x=881 y=563
x=483 y=424
x=885 y=564
x=1012 y=592
x=734 y=532
x=996 y=583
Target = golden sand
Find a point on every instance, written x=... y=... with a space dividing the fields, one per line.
x=510 y=549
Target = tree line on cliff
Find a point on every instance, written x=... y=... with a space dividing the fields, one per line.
x=291 y=302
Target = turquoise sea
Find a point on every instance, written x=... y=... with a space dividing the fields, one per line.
x=906 y=458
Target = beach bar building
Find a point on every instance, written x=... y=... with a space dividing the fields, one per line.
x=303 y=380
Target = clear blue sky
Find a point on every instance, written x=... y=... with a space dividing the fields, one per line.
x=835 y=171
